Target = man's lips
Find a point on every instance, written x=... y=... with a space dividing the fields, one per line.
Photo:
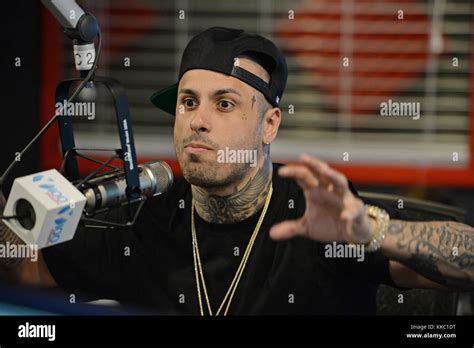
x=196 y=148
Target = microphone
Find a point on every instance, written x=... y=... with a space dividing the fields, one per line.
x=155 y=178
x=48 y=208
x=44 y=209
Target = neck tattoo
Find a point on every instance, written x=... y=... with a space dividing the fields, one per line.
x=239 y=205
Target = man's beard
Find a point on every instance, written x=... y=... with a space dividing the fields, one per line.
x=213 y=174
x=208 y=172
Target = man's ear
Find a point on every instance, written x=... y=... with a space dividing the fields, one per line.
x=271 y=123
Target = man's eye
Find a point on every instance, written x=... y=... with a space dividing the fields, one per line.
x=225 y=104
x=189 y=103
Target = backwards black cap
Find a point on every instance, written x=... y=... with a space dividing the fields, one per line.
x=216 y=49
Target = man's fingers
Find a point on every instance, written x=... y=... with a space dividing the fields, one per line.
x=332 y=179
x=316 y=165
x=338 y=180
x=317 y=168
x=301 y=174
x=288 y=229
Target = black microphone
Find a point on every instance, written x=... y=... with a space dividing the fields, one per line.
x=155 y=178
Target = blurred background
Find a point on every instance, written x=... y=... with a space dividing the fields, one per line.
x=345 y=57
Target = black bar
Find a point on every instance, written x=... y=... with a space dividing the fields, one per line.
x=259 y=330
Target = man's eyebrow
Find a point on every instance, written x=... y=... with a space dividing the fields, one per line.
x=215 y=94
x=226 y=91
x=187 y=91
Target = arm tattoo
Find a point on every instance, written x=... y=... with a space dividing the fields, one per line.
x=237 y=206
x=253 y=101
x=440 y=251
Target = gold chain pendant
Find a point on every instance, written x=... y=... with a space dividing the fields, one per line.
x=199 y=273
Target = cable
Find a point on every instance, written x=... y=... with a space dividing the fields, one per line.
x=58 y=112
x=12 y=216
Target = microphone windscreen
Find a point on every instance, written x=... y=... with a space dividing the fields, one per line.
x=161 y=175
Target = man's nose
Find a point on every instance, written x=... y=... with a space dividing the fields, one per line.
x=200 y=121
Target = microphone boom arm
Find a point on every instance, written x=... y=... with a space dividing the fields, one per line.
x=124 y=124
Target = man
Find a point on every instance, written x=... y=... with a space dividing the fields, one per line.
x=240 y=235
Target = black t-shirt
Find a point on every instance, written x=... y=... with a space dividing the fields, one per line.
x=151 y=265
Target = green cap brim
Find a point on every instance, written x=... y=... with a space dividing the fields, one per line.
x=165 y=99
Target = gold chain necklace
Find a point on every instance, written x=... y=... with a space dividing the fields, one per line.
x=199 y=273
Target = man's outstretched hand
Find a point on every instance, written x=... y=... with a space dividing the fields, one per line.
x=332 y=213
